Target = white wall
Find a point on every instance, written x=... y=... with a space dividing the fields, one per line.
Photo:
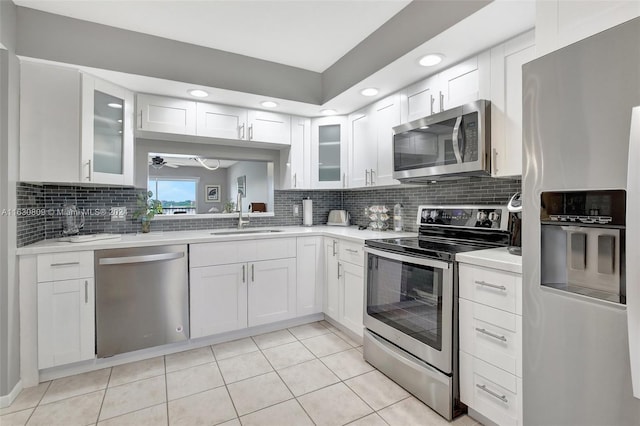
x=9 y=160
x=257 y=186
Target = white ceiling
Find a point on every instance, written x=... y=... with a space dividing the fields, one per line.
x=308 y=34
x=326 y=28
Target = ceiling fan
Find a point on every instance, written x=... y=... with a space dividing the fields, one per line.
x=158 y=162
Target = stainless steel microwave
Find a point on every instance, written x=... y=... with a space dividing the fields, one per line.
x=450 y=144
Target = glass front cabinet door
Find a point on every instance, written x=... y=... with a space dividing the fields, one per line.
x=107 y=133
x=329 y=153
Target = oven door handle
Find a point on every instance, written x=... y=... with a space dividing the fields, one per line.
x=423 y=261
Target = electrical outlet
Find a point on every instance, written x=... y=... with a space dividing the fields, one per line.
x=118 y=214
x=296 y=210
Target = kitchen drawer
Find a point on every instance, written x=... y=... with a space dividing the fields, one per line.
x=490 y=391
x=65 y=266
x=499 y=289
x=224 y=253
x=351 y=252
x=491 y=335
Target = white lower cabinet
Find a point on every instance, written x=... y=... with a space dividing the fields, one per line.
x=272 y=291
x=490 y=324
x=344 y=279
x=218 y=299
x=310 y=275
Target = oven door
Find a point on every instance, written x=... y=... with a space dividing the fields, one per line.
x=409 y=301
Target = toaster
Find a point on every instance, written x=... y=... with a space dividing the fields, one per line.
x=339 y=218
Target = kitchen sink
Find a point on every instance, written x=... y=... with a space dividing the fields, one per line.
x=247 y=231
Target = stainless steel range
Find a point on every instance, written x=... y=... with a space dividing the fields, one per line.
x=411 y=296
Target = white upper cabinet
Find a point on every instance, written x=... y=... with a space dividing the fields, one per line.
x=271 y=127
x=295 y=162
x=221 y=121
x=166 y=115
x=107 y=133
x=329 y=152
x=506 y=103
x=74 y=128
x=371 y=143
x=421 y=99
x=466 y=82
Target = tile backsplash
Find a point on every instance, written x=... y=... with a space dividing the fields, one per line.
x=43 y=206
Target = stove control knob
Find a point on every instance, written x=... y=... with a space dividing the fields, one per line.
x=481 y=216
x=434 y=214
x=494 y=217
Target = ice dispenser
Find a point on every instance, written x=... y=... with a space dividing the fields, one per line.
x=582 y=242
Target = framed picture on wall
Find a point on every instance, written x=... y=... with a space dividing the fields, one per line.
x=211 y=193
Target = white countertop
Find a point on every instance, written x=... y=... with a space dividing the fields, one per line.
x=498 y=258
x=205 y=235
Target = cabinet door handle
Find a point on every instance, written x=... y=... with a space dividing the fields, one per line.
x=253 y=278
x=334 y=248
x=432 y=101
x=65 y=264
x=339 y=270
x=89 y=174
x=241 y=131
x=86 y=291
x=295 y=180
x=366 y=177
x=495 y=162
x=344 y=180
x=485 y=284
x=490 y=334
x=250 y=131
x=373 y=182
x=502 y=398
x=352 y=251
x=441 y=101
x=244 y=272
x=140 y=119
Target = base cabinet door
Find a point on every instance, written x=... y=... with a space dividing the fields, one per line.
x=351 y=283
x=218 y=297
x=310 y=275
x=332 y=281
x=66 y=322
x=272 y=291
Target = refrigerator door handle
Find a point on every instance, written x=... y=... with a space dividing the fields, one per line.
x=633 y=250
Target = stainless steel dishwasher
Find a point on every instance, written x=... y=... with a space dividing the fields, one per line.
x=142 y=298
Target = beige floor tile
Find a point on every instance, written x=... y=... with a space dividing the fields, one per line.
x=347 y=338
x=370 y=420
x=465 y=421
x=76 y=385
x=347 y=364
x=307 y=377
x=186 y=359
x=17 y=418
x=231 y=349
x=258 y=392
x=328 y=325
x=192 y=380
x=287 y=413
x=276 y=338
x=234 y=422
x=326 y=344
x=287 y=355
x=411 y=412
x=377 y=390
x=27 y=398
x=133 y=396
x=211 y=407
x=360 y=349
x=152 y=416
x=136 y=371
x=334 y=405
x=244 y=366
x=78 y=410
x=309 y=330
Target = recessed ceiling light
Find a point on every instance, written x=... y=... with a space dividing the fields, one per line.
x=268 y=104
x=198 y=93
x=115 y=105
x=328 y=112
x=370 y=91
x=431 y=60
x=119 y=121
x=424 y=127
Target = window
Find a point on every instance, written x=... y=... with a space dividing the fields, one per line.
x=178 y=196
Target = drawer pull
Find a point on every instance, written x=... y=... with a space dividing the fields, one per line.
x=65 y=264
x=502 y=398
x=352 y=251
x=499 y=287
x=490 y=334
x=86 y=291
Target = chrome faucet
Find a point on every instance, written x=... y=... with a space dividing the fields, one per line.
x=241 y=222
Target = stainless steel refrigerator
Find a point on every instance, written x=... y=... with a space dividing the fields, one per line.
x=581 y=238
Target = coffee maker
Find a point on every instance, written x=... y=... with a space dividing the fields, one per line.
x=515 y=224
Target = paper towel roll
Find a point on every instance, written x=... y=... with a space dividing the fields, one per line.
x=307 y=209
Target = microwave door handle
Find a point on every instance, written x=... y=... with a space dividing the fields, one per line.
x=454 y=140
